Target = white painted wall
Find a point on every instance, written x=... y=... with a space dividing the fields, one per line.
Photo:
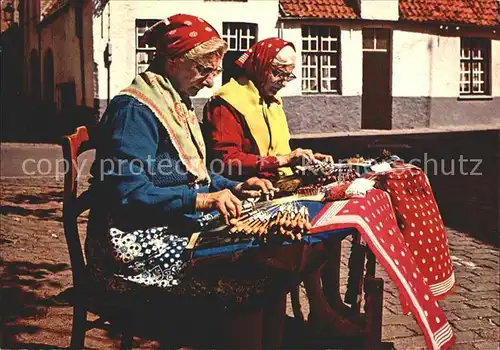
x=351 y=41
x=495 y=68
x=411 y=64
x=380 y=9
x=100 y=37
x=429 y=65
x=122 y=30
x=444 y=66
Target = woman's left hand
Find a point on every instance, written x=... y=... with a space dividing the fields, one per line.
x=323 y=157
x=255 y=187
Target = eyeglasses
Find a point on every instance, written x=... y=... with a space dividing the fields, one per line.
x=207 y=71
x=283 y=76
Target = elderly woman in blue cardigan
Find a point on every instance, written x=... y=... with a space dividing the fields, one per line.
x=152 y=181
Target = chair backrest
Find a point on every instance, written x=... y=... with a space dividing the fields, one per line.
x=73 y=204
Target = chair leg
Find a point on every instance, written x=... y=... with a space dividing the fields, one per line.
x=127 y=339
x=296 y=307
x=321 y=314
x=374 y=295
x=79 y=327
x=330 y=278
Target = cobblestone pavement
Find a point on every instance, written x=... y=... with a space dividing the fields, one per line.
x=35 y=267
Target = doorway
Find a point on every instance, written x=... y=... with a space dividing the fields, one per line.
x=376 y=105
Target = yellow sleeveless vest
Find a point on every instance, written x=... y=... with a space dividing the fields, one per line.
x=267 y=123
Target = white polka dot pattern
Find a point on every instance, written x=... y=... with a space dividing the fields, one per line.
x=401 y=261
x=416 y=208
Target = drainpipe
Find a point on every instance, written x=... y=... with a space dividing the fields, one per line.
x=79 y=18
x=39 y=34
x=108 y=56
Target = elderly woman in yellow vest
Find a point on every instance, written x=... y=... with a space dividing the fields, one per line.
x=245 y=126
x=244 y=123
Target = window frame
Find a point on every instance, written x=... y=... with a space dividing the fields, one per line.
x=139 y=49
x=251 y=30
x=239 y=26
x=484 y=45
x=334 y=35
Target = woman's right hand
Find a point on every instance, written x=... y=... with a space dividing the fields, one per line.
x=225 y=202
x=299 y=156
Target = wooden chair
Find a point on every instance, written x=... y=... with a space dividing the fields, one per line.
x=75 y=205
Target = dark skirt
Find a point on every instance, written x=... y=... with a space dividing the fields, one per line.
x=153 y=263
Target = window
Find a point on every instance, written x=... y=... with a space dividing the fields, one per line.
x=320 y=59
x=239 y=37
x=475 y=66
x=144 y=53
x=376 y=39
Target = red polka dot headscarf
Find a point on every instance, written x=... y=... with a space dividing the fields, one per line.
x=178 y=34
x=257 y=61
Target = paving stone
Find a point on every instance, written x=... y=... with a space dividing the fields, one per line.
x=459 y=289
x=482 y=255
x=465 y=325
x=396 y=331
x=491 y=294
x=455 y=297
x=388 y=311
x=491 y=261
x=482 y=303
x=479 y=287
x=489 y=334
x=464 y=346
x=453 y=305
x=476 y=313
x=487 y=345
x=397 y=319
x=413 y=343
x=395 y=309
x=450 y=316
x=413 y=326
x=460 y=275
x=466 y=337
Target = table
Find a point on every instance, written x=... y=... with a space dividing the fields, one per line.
x=316 y=260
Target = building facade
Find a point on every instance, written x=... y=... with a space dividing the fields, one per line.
x=363 y=64
x=57 y=58
x=394 y=64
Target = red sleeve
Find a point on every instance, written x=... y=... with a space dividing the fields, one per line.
x=225 y=140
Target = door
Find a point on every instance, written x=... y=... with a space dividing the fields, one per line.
x=376 y=105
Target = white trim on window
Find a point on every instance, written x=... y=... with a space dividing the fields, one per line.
x=475 y=73
x=144 y=54
x=320 y=59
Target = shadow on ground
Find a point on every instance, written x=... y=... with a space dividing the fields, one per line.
x=20 y=281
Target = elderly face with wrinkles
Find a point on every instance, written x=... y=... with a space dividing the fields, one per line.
x=190 y=76
x=278 y=78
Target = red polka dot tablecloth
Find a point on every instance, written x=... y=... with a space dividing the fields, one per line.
x=419 y=220
x=373 y=216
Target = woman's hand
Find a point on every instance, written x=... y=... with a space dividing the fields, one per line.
x=255 y=187
x=299 y=156
x=323 y=157
x=225 y=202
